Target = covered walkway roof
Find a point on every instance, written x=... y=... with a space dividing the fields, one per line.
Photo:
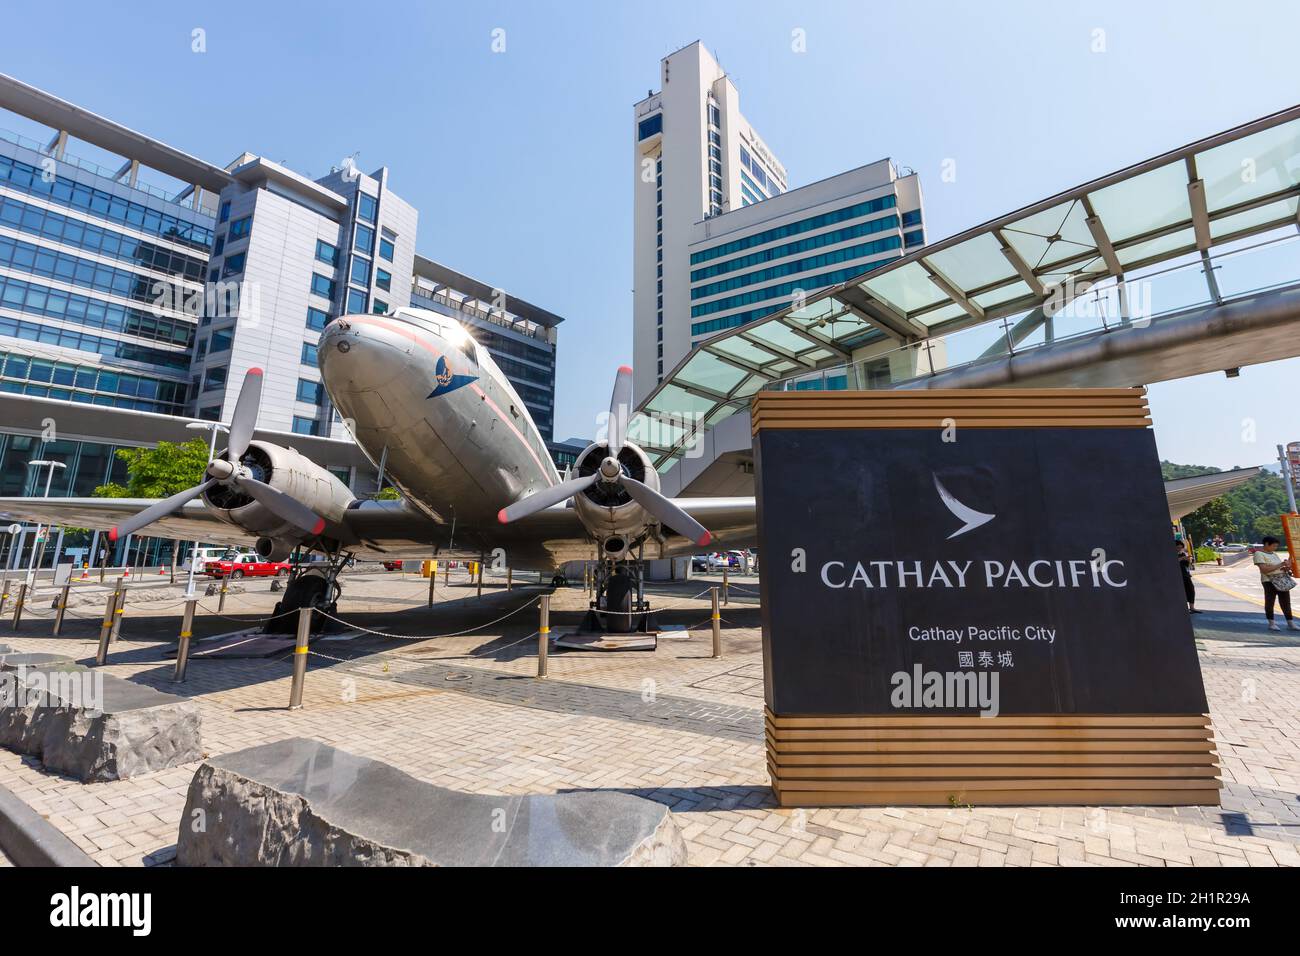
x=1187 y=210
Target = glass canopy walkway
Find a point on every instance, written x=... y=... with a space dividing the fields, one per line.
x=1198 y=228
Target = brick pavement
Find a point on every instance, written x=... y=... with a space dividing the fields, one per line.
x=674 y=725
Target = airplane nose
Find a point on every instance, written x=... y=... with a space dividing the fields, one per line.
x=357 y=353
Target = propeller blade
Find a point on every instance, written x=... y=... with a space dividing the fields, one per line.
x=284 y=506
x=666 y=511
x=244 y=420
x=160 y=509
x=620 y=410
x=544 y=499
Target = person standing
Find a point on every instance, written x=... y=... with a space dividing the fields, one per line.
x=1275 y=575
x=1185 y=566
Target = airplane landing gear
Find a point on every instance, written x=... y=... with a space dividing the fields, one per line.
x=312 y=586
x=620 y=606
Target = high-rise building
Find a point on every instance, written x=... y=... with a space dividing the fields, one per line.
x=719 y=238
x=289 y=254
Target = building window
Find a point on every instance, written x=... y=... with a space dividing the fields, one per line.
x=381 y=308
x=225 y=211
x=241 y=228
x=326 y=253
x=322 y=286
x=309 y=354
x=309 y=391
x=912 y=217
x=914 y=238
x=356 y=301
x=221 y=341
x=202 y=350
x=386 y=249
x=220 y=247
x=216 y=378
x=648 y=127
x=304 y=426
x=384 y=279
x=212 y=413
x=360 y=271
x=367 y=207
x=234 y=264
x=316 y=319
x=365 y=241
x=214 y=275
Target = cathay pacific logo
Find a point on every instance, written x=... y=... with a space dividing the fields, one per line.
x=970 y=518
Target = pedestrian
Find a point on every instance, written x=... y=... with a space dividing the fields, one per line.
x=1275 y=575
x=1185 y=566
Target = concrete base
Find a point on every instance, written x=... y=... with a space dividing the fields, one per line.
x=299 y=802
x=12 y=662
x=93 y=726
x=589 y=641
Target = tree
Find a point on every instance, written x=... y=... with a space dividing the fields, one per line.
x=1213 y=517
x=389 y=493
x=164 y=470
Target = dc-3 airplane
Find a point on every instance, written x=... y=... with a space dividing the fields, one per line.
x=461 y=447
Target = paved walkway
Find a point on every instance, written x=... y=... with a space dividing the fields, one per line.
x=673 y=725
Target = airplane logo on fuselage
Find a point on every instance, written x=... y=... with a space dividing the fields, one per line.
x=446 y=381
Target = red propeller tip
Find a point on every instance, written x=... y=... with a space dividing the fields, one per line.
x=625 y=370
x=703 y=542
x=254 y=371
x=320 y=526
x=501 y=516
x=112 y=534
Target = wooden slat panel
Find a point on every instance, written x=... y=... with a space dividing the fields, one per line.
x=999 y=783
x=993 y=733
x=994 y=798
x=977 y=746
x=991 y=771
x=971 y=408
x=985 y=758
x=787 y=721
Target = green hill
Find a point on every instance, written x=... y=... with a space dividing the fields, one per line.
x=1251 y=510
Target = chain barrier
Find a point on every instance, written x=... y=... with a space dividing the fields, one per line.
x=427 y=637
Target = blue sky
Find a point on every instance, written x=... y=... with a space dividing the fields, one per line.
x=520 y=161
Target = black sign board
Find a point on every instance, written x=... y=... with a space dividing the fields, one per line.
x=1040 y=555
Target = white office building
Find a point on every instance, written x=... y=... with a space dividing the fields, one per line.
x=719 y=238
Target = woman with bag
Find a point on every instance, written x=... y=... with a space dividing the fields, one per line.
x=1275 y=574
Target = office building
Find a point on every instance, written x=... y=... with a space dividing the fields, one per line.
x=719 y=238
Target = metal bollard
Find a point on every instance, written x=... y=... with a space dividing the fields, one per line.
x=480 y=579
x=183 y=649
x=221 y=601
x=446 y=574
x=717 y=625
x=118 y=612
x=510 y=577
x=300 y=658
x=433 y=580
x=18 y=604
x=106 y=629
x=726 y=587
x=543 y=635
x=4 y=593
x=63 y=606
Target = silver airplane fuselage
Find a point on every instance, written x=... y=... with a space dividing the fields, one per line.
x=420 y=395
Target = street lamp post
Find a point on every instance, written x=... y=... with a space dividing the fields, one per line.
x=214 y=428
x=49 y=479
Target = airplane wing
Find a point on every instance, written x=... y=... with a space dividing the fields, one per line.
x=394 y=529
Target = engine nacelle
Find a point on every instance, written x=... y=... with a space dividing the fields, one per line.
x=275 y=549
x=285 y=470
x=607 y=511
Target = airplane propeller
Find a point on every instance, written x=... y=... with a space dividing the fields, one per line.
x=610 y=472
x=229 y=471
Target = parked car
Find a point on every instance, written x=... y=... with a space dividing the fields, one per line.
x=202 y=555
x=237 y=566
x=700 y=562
x=393 y=565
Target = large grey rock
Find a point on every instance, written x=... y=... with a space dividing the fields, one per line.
x=93 y=726
x=14 y=660
x=300 y=802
